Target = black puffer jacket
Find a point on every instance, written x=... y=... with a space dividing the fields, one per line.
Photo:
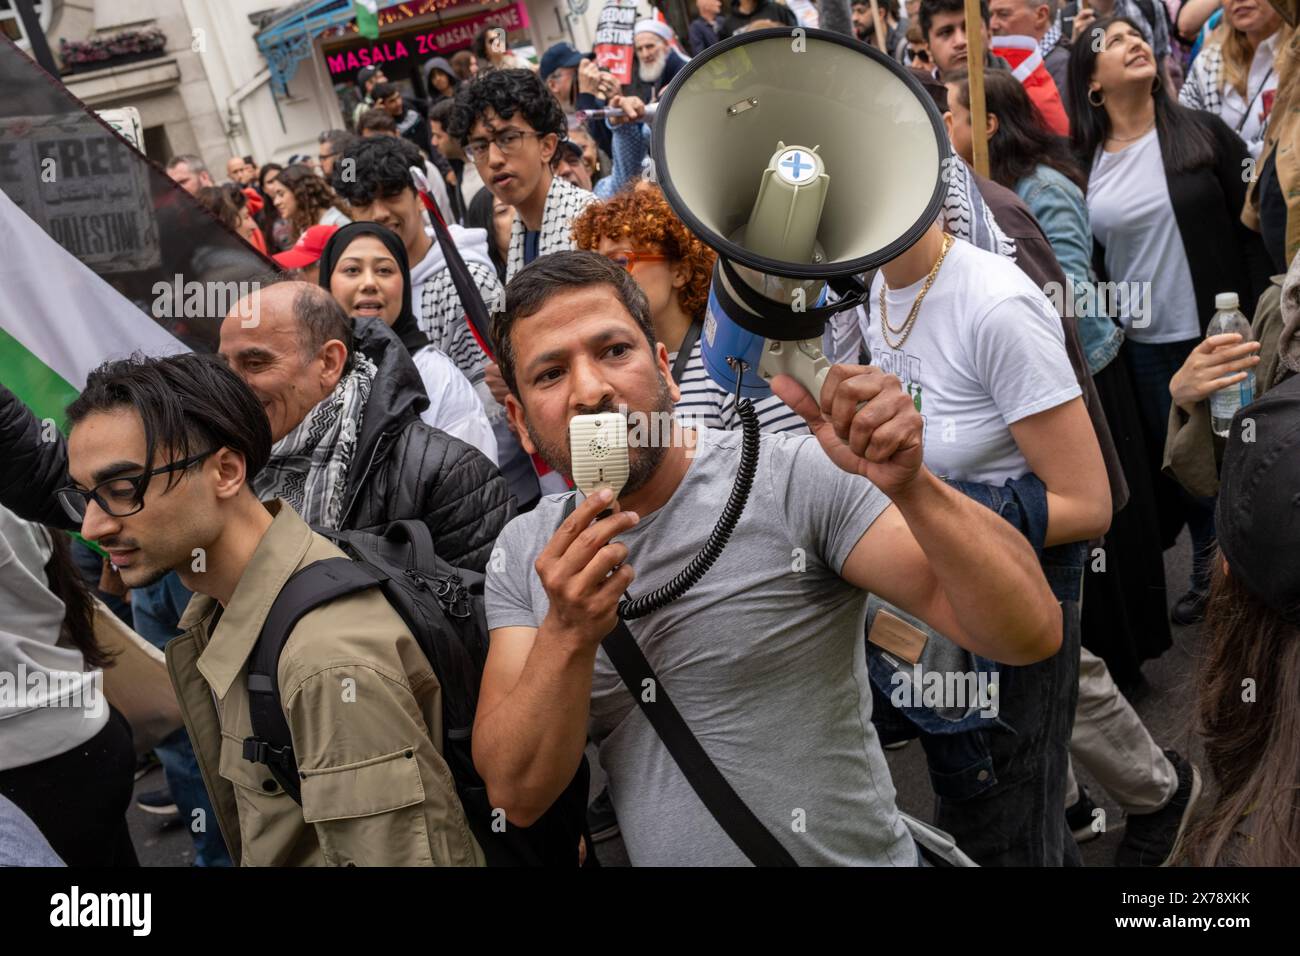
x=403 y=468
x=31 y=469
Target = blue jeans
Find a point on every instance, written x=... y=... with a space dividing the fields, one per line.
x=158 y=609
x=1152 y=368
x=999 y=783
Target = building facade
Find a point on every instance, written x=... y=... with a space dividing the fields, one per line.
x=220 y=78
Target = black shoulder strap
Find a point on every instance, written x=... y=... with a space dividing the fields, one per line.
x=722 y=801
x=685 y=349
x=314 y=585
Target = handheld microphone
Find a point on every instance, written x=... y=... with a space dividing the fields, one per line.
x=598 y=452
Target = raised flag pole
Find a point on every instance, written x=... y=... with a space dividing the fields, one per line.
x=880 y=30
x=36 y=37
x=975 y=73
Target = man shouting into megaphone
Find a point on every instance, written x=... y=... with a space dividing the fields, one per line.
x=764 y=658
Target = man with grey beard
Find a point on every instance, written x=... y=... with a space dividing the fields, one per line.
x=657 y=61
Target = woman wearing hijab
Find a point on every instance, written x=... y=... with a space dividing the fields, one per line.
x=364 y=266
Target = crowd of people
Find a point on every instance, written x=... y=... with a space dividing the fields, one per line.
x=1018 y=424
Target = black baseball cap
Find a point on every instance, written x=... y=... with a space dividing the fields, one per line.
x=1258 y=515
x=558 y=57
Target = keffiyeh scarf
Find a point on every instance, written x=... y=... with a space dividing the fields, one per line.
x=966 y=215
x=309 y=466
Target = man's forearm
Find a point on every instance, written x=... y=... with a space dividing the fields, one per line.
x=985 y=568
x=529 y=746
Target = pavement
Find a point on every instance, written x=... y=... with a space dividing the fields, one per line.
x=1166 y=706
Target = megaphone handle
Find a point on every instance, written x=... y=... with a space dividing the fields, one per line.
x=803 y=361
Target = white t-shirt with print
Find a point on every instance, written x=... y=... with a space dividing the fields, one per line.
x=986 y=351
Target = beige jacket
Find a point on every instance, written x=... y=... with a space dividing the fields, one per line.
x=364 y=709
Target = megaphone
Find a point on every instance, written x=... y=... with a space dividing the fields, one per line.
x=781 y=149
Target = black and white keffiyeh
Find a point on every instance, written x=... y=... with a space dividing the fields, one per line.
x=309 y=466
x=967 y=216
x=564 y=203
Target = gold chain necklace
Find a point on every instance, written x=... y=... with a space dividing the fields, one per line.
x=906 y=330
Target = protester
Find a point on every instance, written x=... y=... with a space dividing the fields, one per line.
x=1272 y=196
x=1165 y=194
x=864 y=24
x=703 y=30
x=1192 y=450
x=1235 y=76
x=66 y=754
x=943 y=25
x=1149 y=16
x=411 y=123
x=192 y=414
x=350 y=450
x=241 y=170
x=304 y=200
x=468 y=181
x=364 y=267
x=276 y=230
x=496 y=218
x=465 y=65
x=510 y=126
x=493 y=52
x=638 y=231
x=1035 y=19
x=230 y=204
x=1124 y=620
x=1250 y=656
x=304 y=257
x=381 y=190
x=570 y=167
x=189 y=172
x=440 y=79
x=657 y=61
x=333 y=143
x=550 y=604
x=741 y=13
x=368 y=77
x=376 y=122
x=558 y=69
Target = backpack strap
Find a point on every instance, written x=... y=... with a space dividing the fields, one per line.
x=717 y=795
x=315 y=585
x=685 y=349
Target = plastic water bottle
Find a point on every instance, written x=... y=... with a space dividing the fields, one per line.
x=1225 y=402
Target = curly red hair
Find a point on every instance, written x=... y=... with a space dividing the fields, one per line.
x=643 y=217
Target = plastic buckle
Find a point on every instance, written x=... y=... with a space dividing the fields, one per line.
x=256 y=749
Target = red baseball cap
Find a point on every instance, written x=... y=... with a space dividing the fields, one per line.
x=308 y=249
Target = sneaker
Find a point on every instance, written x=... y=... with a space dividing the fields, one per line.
x=1150 y=838
x=1190 y=609
x=1079 y=818
x=145 y=763
x=600 y=818
x=157 y=801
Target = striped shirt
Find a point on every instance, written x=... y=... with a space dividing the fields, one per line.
x=706 y=403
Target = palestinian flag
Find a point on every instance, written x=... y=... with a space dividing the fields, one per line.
x=101 y=254
x=367 y=13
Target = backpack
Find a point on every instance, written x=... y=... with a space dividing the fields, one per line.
x=443 y=607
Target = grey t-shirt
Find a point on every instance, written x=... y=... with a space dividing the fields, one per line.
x=764 y=657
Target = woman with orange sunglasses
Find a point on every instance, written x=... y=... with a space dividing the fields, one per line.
x=637 y=229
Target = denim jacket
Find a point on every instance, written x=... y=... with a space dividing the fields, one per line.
x=1060 y=209
x=957 y=750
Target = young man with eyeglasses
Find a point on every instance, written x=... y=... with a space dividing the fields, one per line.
x=510 y=126
x=162 y=453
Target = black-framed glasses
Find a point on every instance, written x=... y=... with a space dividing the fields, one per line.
x=119 y=497
x=508 y=141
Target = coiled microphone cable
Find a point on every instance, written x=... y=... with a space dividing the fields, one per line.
x=631 y=608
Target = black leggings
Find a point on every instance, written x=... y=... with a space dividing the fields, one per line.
x=78 y=799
